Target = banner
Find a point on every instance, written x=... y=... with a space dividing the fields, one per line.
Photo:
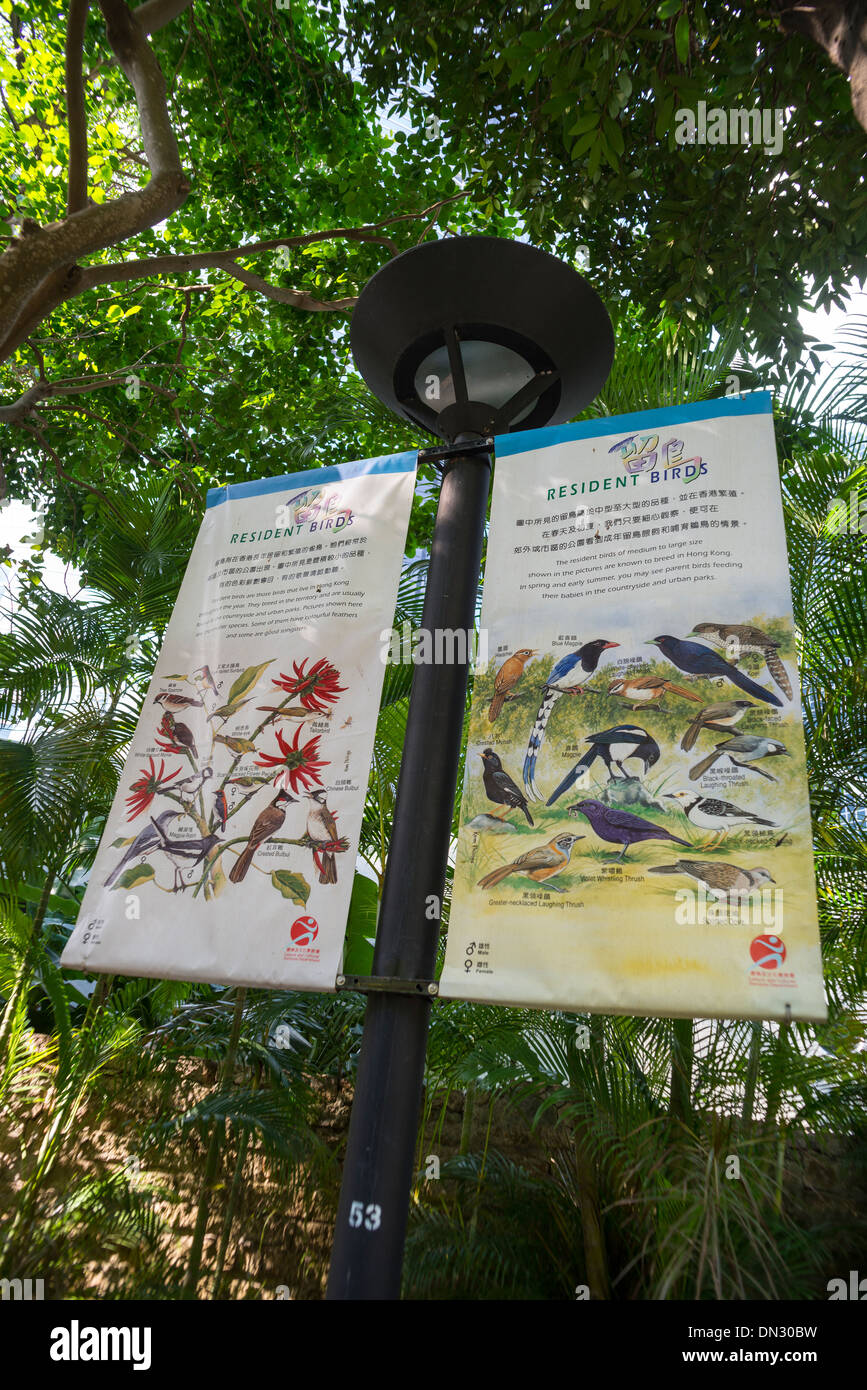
x=635 y=828
x=229 y=852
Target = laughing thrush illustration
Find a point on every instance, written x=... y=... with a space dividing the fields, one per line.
x=564 y=679
x=621 y=827
x=540 y=864
x=507 y=678
x=720 y=717
x=743 y=750
x=710 y=813
x=266 y=825
x=743 y=638
x=499 y=786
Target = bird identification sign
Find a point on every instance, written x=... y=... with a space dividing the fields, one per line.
x=635 y=827
x=229 y=852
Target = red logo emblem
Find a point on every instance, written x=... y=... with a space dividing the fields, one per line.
x=304 y=930
x=768 y=951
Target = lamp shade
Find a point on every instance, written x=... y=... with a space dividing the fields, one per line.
x=481 y=335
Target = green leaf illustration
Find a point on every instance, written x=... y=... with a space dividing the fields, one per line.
x=135 y=875
x=293 y=886
x=116 y=844
x=246 y=681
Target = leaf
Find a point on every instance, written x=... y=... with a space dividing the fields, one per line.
x=361 y=927
x=215 y=882
x=681 y=37
x=118 y=844
x=246 y=681
x=135 y=875
x=293 y=886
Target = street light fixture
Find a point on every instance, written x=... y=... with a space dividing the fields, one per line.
x=465 y=337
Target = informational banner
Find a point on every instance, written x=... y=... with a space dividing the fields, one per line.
x=635 y=827
x=229 y=852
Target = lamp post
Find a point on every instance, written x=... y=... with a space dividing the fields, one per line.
x=466 y=337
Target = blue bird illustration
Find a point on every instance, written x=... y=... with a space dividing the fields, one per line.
x=564 y=679
x=698 y=660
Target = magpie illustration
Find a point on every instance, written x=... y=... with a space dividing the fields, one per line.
x=187 y=851
x=499 y=786
x=614 y=747
x=621 y=827
x=710 y=813
x=698 y=660
x=564 y=679
x=720 y=717
x=147 y=839
x=743 y=750
x=748 y=639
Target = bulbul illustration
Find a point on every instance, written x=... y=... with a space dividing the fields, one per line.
x=621 y=827
x=184 y=852
x=748 y=639
x=266 y=824
x=743 y=750
x=698 y=660
x=647 y=690
x=710 y=813
x=507 y=678
x=221 y=808
x=176 y=703
x=614 y=747
x=564 y=679
x=540 y=864
x=322 y=827
x=499 y=786
x=718 y=717
x=722 y=880
x=147 y=839
x=178 y=733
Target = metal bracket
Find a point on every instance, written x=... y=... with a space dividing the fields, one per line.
x=386 y=984
x=440 y=453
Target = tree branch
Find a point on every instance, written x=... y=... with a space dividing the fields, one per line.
x=76 y=114
x=65 y=477
x=156 y=14
x=840 y=28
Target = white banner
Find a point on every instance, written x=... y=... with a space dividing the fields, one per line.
x=635 y=829
x=229 y=852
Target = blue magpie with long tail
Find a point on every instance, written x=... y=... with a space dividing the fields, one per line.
x=698 y=660
x=564 y=679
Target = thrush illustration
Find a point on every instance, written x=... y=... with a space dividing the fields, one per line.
x=147 y=839
x=179 y=733
x=176 y=703
x=499 y=786
x=743 y=750
x=564 y=679
x=507 y=678
x=748 y=639
x=720 y=717
x=614 y=747
x=621 y=827
x=540 y=864
x=322 y=827
x=647 y=690
x=698 y=660
x=722 y=880
x=266 y=825
x=710 y=813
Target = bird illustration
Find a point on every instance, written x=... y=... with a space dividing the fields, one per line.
x=187 y=851
x=613 y=746
x=248 y=782
x=221 y=807
x=645 y=690
x=507 y=678
x=266 y=824
x=147 y=839
x=322 y=827
x=722 y=880
x=564 y=679
x=698 y=660
x=204 y=677
x=226 y=711
x=743 y=750
x=719 y=717
x=621 y=827
x=539 y=864
x=499 y=786
x=194 y=782
x=237 y=745
x=710 y=813
x=748 y=639
x=178 y=733
x=490 y=824
x=176 y=703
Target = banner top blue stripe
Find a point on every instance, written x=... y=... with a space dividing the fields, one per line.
x=312 y=477
x=754 y=403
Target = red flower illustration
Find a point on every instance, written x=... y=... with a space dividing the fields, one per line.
x=145 y=789
x=303 y=764
x=317 y=688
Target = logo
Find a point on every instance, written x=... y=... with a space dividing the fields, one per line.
x=304 y=931
x=768 y=951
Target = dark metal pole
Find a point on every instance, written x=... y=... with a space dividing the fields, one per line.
x=371 y=1218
